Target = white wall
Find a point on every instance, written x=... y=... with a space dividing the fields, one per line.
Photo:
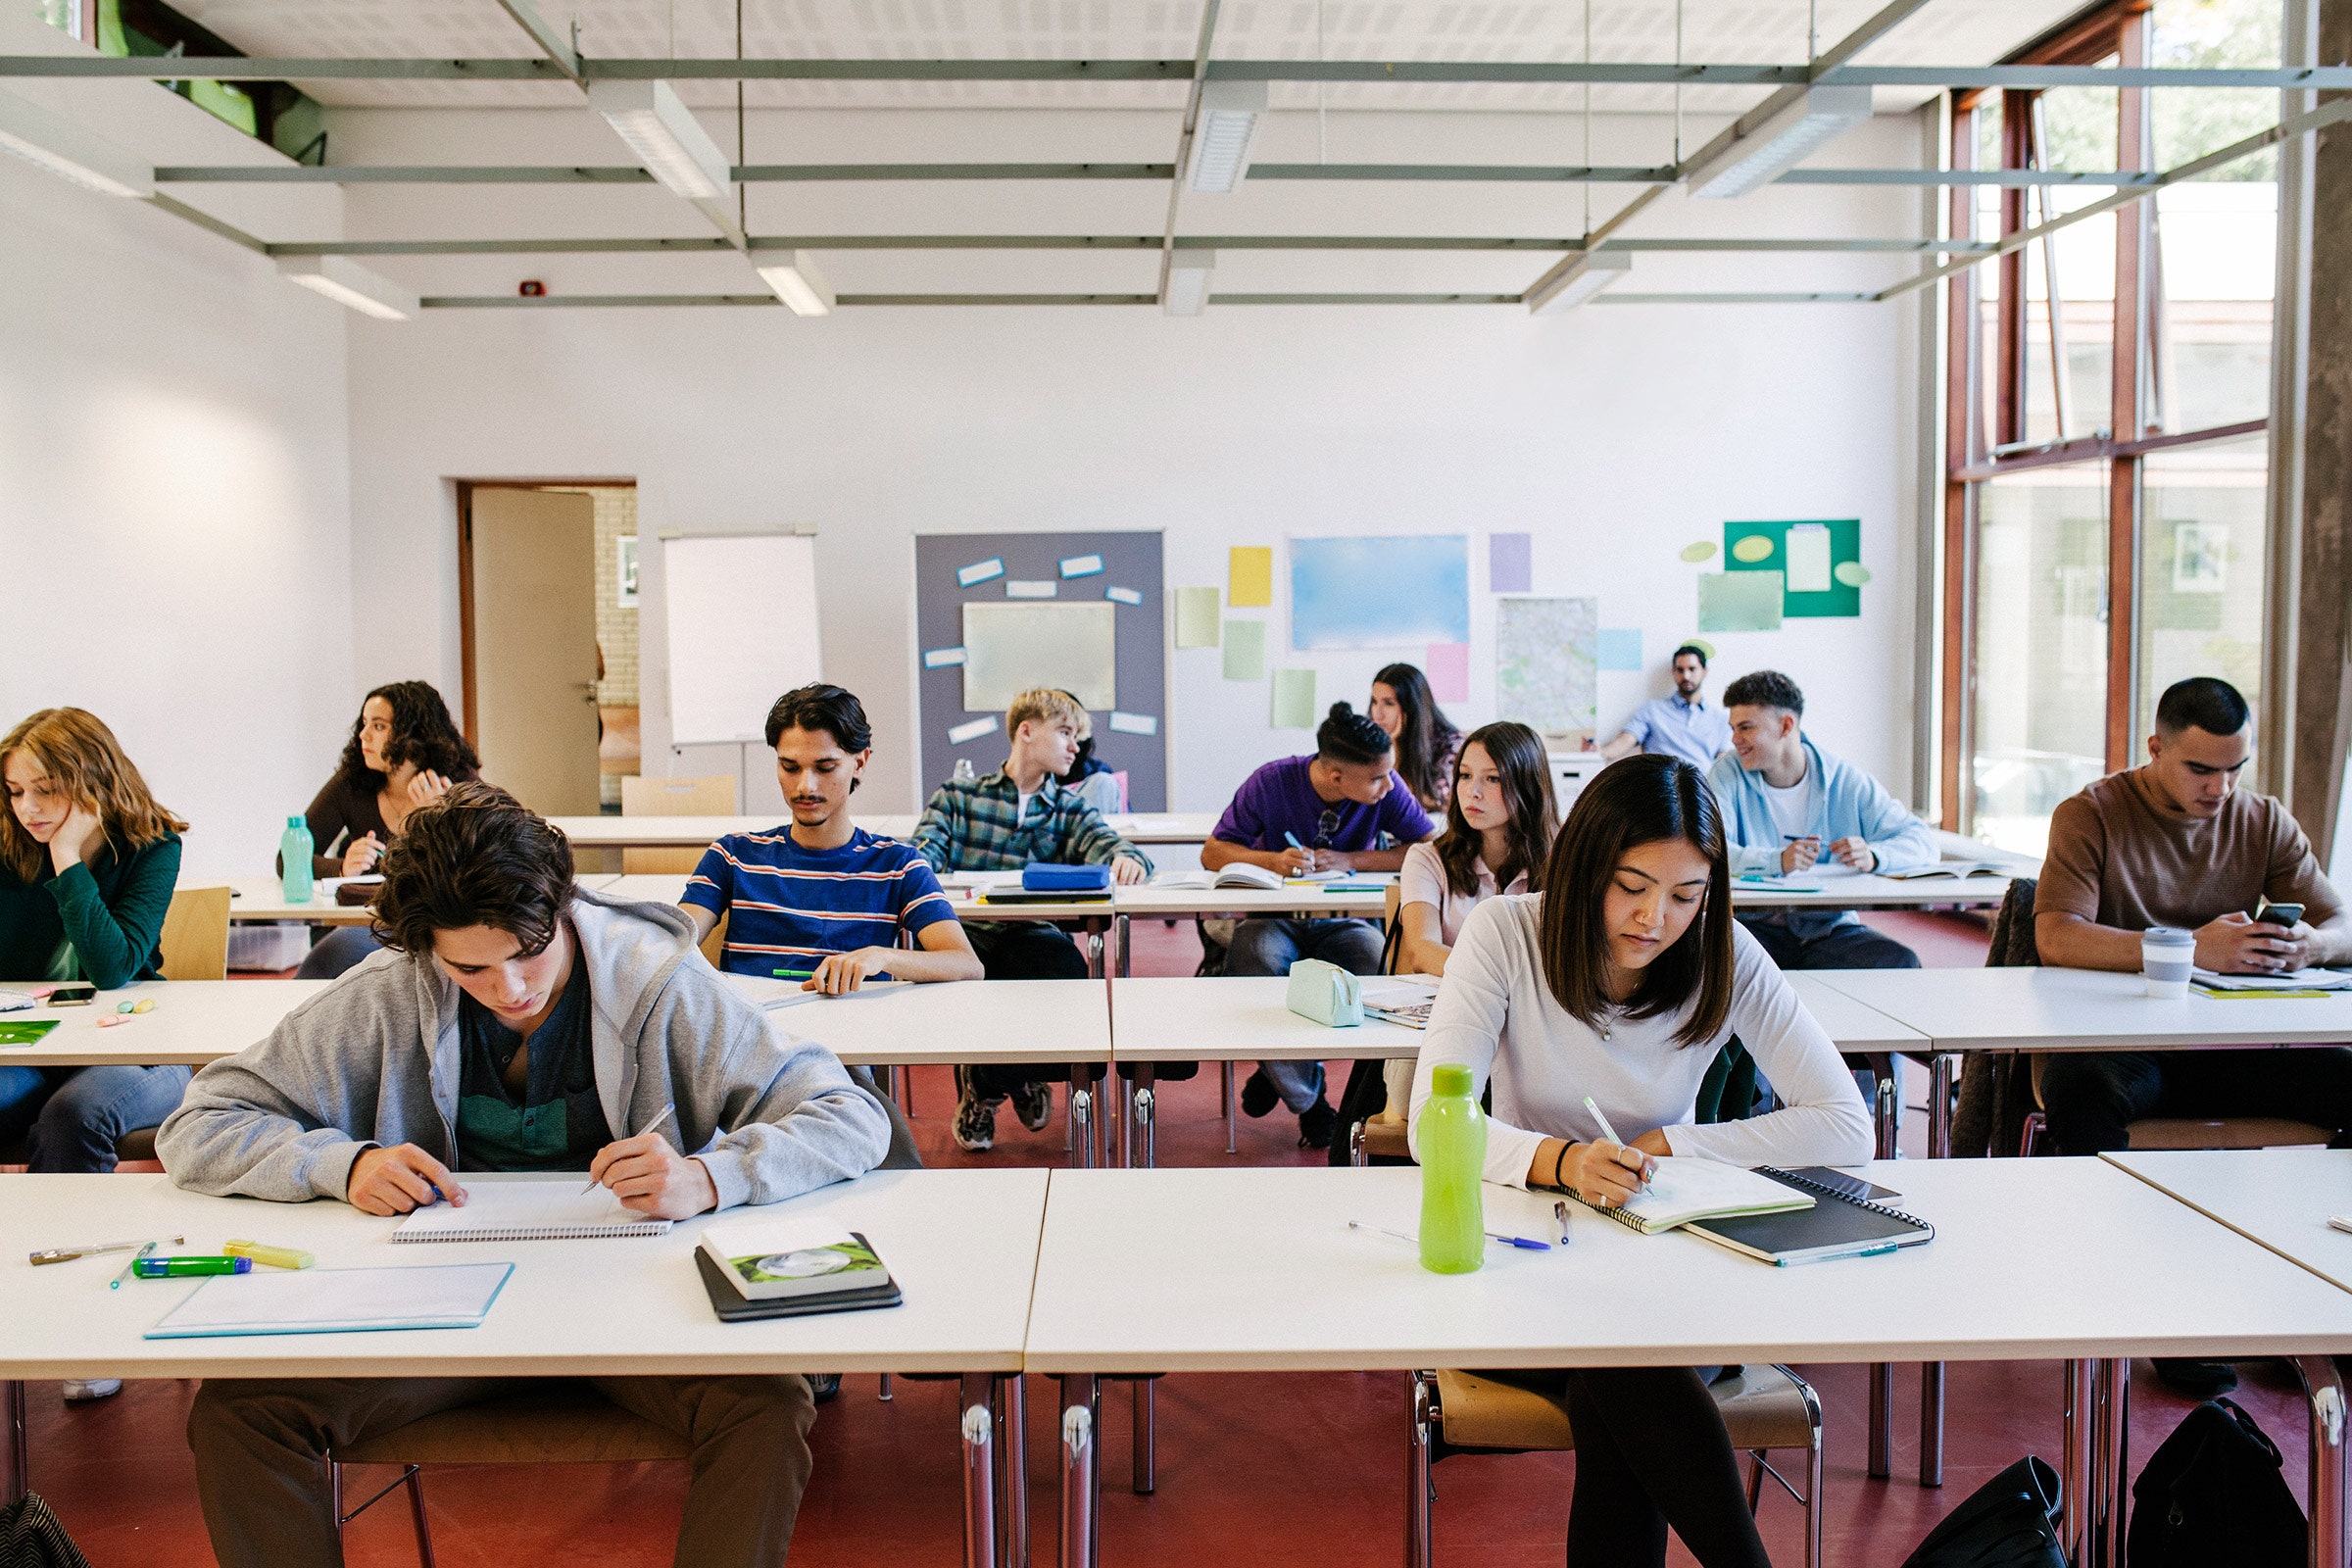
x=175 y=518
x=1616 y=434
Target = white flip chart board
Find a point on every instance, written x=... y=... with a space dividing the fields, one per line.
x=741 y=630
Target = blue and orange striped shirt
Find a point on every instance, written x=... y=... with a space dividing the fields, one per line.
x=787 y=907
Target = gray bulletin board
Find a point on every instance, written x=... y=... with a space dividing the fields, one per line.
x=1131 y=564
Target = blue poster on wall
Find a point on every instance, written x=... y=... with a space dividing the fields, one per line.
x=1391 y=591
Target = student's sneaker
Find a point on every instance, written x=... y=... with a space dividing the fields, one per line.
x=1316 y=1125
x=1033 y=1103
x=1257 y=1094
x=975 y=1124
x=80 y=1391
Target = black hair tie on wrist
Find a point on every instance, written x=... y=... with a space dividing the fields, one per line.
x=1555 y=1167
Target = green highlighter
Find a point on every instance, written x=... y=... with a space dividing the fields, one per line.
x=173 y=1269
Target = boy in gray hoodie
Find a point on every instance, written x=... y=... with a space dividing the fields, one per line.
x=517 y=1022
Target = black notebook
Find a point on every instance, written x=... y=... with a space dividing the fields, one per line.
x=1838 y=1225
x=733 y=1307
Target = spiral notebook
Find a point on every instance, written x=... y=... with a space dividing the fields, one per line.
x=528 y=1211
x=1836 y=1225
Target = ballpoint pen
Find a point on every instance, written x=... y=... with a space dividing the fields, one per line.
x=66 y=1254
x=1610 y=1133
x=1559 y=1212
x=115 y=1283
x=641 y=1132
x=1521 y=1242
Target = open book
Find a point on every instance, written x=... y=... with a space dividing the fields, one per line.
x=1949 y=868
x=1403 y=999
x=2297 y=980
x=1686 y=1188
x=1241 y=875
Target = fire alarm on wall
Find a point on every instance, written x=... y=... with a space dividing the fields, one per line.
x=532 y=288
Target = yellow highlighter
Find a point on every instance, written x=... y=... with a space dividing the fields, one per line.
x=274 y=1256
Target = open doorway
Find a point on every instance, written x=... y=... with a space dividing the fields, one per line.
x=547 y=592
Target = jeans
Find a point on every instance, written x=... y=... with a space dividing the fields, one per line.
x=1022 y=950
x=2091 y=1099
x=341 y=950
x=1848 y=945
x=70 y=1117
x=1271 y=947
x=259 y=1446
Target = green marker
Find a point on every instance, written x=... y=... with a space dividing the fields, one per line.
x=172 y=1268
x=793 y=974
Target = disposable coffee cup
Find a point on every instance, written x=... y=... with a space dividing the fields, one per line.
x=2164 y=956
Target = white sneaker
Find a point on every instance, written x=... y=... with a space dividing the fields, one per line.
x=81 y=1390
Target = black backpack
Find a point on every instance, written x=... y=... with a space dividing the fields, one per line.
x=31 y=1538
x=2005 y=1523
x=2213 y=1493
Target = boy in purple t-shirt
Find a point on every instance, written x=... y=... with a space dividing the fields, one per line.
x=1314 y=813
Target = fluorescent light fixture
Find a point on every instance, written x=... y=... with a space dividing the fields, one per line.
x=1782 y=142
x=664 y=136
x=69 y=152
x=347 y=283
x=1188 y=274
x=799 y=286
x=1230 y=114
x=1576 y=280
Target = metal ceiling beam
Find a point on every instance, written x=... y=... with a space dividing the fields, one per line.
x=1104 y=242
x=1184 y=139
x=788 y=173
x=556 y=302
x=565 y=53
x=1402 y=72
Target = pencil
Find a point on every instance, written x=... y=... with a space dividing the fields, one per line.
x=641 y=1132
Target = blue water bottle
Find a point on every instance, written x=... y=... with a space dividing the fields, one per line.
x=294 y=857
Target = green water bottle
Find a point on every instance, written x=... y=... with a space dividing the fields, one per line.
x=1452 y=1139
x=294 y=854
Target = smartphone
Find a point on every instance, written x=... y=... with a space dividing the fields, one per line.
x=2285 y=915
x=77 y=993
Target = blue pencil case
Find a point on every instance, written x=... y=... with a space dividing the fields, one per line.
x=1043 y=876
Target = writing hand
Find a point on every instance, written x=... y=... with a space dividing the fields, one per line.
x=1856 y=853
x=398 y=1179
x=653 y=1179
x=1799 y=854
x=1298 y=863
x=1605 y=1175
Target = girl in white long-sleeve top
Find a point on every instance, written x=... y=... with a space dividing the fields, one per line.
x=1621 y=981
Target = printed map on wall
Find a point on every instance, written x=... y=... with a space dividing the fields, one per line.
x=1395 y=591
x=1544 y=655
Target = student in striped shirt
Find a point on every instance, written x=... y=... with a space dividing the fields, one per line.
x=825 y=900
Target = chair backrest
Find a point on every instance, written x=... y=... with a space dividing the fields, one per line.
x=673 y=797
x=1394 y=942
x=715 y=946
x=2013 y=929
x=195 y=936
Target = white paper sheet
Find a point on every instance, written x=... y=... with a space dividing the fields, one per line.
x=1135 y=724
x=336 y=1300
x=1012 y=648
x=1808 y=564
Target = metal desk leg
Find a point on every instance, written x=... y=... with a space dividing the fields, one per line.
x=1225 y=1078
x=1141 y=1104
x=1943 y=1069
x=1082 y=1115
x=1930 y=1423
x=2115 y=1457
x=1012 y=1467
x=1146 y=1444
x=15 y=1462
x=2074 y=1462
x=2326 y=1389
x=1124 y=926
x=1081 y=1471
x=1881 y=1420
x=979 y=1472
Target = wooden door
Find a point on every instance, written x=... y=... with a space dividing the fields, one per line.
x=533 y=560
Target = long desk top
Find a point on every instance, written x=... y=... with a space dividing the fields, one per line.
x=1864 y=892
x=955 y=1021
x=694 y=832
x=2278 y=1198
x=263 y=897
x=2035 y=1008
x=1204 y=1270
x=194 y=1021
x=1238 y=1019
x=962 y=1245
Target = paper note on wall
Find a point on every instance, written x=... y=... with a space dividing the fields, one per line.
x=970 y=730
x=1808 y=564
x=1250 y=575
x=1294 y=698
x=1195 y=618
x=1510 y=562
x=1244 y=650
x=1739 y=600
x=1544 y=655
x=1447 y=666
x=942 y=658
x=1081 y=565
x=1015 y=588
x=1383 y=591
x=1620 y=649
x=1124 y=596
x=1012 y=648
x=1134 y=723
x=979 y=571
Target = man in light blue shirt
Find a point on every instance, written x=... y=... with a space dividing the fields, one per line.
x=1682 y=725
x=1787 y=804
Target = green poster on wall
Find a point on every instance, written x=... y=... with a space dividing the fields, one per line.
x=1820 y=563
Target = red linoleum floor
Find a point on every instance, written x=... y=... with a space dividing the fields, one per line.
x=1305 y=1469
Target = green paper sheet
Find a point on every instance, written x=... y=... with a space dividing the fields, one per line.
x=1294 y=698
x=1195 y=618
x=1739 y=600
x=25 y=1031
x=1244 y=650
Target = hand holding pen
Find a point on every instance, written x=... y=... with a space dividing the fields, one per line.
x=651 y=1177
x=1608 y=1174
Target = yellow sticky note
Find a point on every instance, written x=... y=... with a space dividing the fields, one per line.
x=1252 y=575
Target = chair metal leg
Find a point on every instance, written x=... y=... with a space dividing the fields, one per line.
x=1944 y=1071
x=14 y=1452
x=1013 y=1447
x=2075 y=1463
x=884 y=1393
x=1225 y=1078
x=2323 y=1386
x=1147 y=1406
x=1881 y=1421
x=1081 y=1471
x=2115 y=1458
x=334 y=1498
x=1423 y=1419
x=979 y=1472
x=1813 y=1501
x=1355 y=1145
x=424 y=1531
x=1755 y=1480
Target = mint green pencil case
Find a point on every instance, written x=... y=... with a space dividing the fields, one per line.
x=1325 y=993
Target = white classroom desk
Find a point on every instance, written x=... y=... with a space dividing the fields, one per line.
x=194 y=1021
x=962 y=1245
x=694 y=832
x=2281 y=1199
x=263 y=897
x=1873 y=893
x=2033 y=1008
x=1255 y=1270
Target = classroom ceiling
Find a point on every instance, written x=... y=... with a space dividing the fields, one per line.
x=1945 y=32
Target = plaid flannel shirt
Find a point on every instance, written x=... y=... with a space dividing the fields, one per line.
x=971 y=827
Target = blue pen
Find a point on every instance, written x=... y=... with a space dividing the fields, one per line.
x=1523 y=1243
x=1292 y=839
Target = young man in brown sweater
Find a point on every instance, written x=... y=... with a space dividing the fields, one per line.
x=2176 y=843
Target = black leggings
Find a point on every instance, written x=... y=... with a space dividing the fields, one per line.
x=1651 y=1452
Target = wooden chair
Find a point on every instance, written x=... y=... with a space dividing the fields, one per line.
x=672 y=797
x=1765 y=1408
x=1381 y=1135
x=195 y=947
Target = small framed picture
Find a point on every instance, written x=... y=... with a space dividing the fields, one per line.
x=2200 y=557
x=626 y=559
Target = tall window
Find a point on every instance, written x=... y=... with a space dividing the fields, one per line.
x=2106 y=470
